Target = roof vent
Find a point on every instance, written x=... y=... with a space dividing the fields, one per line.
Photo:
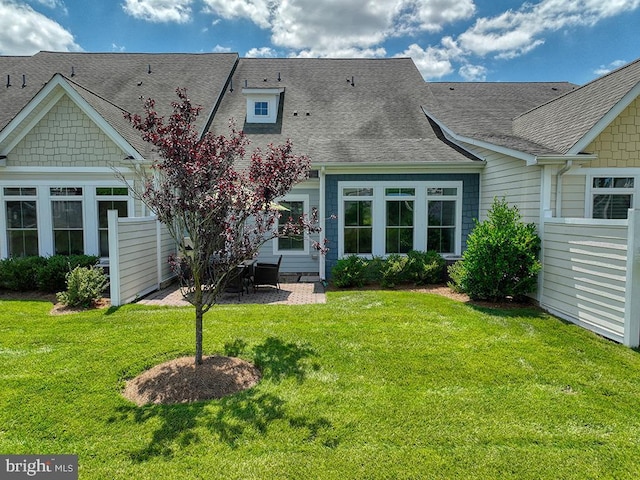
x=149 y=68
x=279 y=77
x=554 y=88
x=308 y=114
x=24 y=81
x=73 y=71
x=8 y=81
x=353 y=84
x=140 y=83
x=295 y=114
x=451 y=88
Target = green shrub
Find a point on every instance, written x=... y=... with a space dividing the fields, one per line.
x=349 y=272
x=373 y=273
x=52 y=275
x=393 y=271
x=501 y=259
x=424 y=268
x=84 y=287
x=20 y=273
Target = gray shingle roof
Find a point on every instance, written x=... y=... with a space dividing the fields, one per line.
x=562 y=122
x=376 y=120
x=113 y=82
x=485 y=111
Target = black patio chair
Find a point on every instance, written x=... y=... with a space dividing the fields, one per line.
x=267 y=274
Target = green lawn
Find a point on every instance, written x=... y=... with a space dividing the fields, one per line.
x=371 y=385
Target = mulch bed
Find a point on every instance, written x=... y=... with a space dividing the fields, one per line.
x=180 y=381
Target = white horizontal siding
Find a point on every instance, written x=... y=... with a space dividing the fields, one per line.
x=512 y=179
x=138 y=257
x=585 y=273
x=573 y=196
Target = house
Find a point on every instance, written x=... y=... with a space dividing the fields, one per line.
x=572 y=165
x=397 y=163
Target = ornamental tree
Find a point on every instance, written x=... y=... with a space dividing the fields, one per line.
x=204 y=188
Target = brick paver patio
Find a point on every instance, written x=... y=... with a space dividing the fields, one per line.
x=288 y=294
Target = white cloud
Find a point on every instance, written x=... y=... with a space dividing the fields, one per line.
x=23 y=31
x=159 y=11
x=473 y=73
x=516 y=32
x=336 y=27
x=263 y=52
x=604 y=69
x=513 y=33
x=54 y=5
x=258 y=11
x=117 y=48
x=220 y=49
x=432 y=62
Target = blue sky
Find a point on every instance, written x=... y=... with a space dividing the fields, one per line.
x=450 y=40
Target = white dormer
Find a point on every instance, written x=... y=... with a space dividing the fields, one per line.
x=262 y=104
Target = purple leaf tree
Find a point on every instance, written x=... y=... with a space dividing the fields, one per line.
x=206 y=190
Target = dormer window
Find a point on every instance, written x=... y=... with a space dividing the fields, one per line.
x=262 y=104
x=261 y=109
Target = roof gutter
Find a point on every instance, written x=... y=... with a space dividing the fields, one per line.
x=373 y=167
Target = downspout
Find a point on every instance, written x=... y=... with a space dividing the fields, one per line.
x=322 y=214
x=567 y=166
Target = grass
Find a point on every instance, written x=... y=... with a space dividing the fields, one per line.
x=372 y=385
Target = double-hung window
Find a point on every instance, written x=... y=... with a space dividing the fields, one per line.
x=611 y=197
x=399 y=204
x=442 y=219
x=358 y=220
x=22 y=221
x=66 y=217
x=292 y=208
x=109 y=198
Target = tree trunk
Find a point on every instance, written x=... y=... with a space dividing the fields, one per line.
x=199 y=334
x=197 y=302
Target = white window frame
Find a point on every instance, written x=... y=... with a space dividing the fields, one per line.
x=43 y=183
x=116 y=198
x=4 y=242
x=269 y=95
x=590 y=191
x=305 y=210
x=420 y=214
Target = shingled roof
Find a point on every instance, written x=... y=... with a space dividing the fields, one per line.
x=485 y=111
x=114 y=82
x=561 y=123
x=342 y=111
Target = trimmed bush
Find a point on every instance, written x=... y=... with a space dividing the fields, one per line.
x=419 y=268
x=84 y=287
x=52 y=275
x=501 y=260
x=349 y=272
x=425 y=268
x=20 y=273
x=393 y=271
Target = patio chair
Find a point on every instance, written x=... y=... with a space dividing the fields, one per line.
x=267 y=274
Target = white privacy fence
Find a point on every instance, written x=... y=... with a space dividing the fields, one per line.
x=139 y=249
x=590 y=274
